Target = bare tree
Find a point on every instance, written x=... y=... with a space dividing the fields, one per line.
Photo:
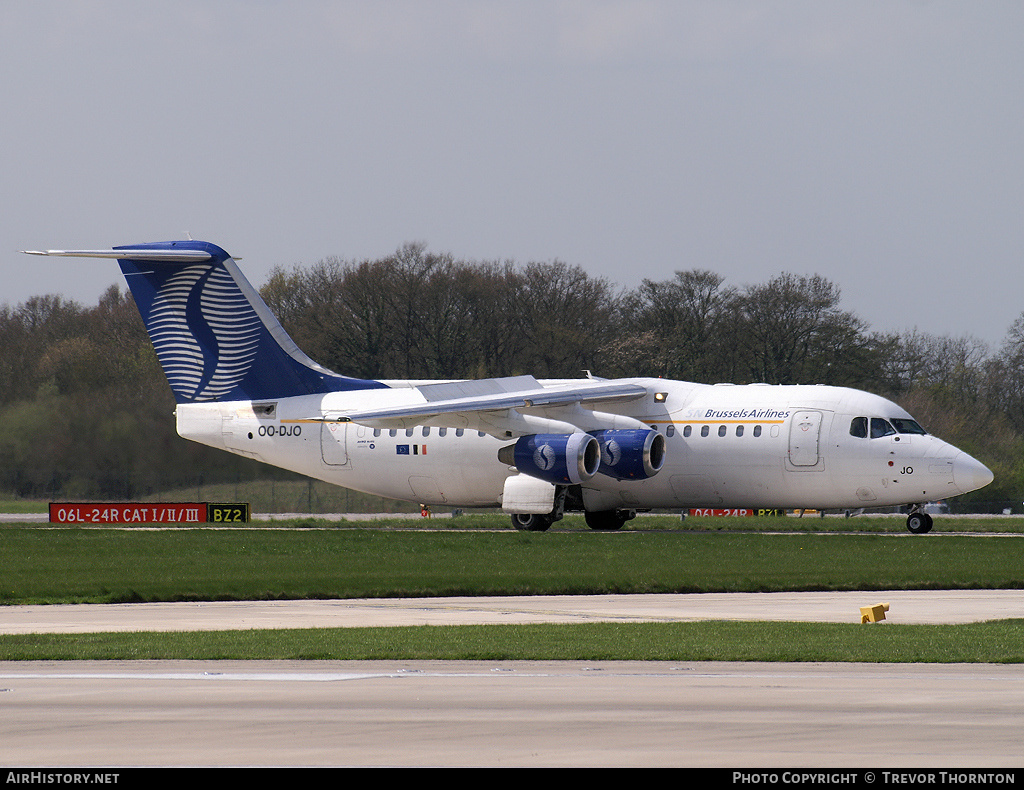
x=792 y=331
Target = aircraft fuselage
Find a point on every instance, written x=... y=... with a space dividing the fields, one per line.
x=725 y=446
x=608 y=448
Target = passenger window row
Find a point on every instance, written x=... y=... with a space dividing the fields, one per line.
x=425 y=431
x=705 y=430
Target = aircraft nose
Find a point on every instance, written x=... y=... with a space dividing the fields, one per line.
x=970 y=474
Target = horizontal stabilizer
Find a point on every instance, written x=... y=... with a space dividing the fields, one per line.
x=161 y=256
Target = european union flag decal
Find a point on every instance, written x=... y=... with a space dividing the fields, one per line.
x=403 y=449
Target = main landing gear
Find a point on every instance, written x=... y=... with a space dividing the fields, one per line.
x=603 y=520
x=608 y=519
x=919 y=522
x=533 y=522
x=540 y=522
x=569 y=498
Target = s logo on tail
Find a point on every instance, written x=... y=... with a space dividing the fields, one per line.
x=200 y=301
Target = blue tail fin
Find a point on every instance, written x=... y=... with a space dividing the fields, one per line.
x=214 y=335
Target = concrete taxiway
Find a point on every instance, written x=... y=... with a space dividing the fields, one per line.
x=424 y=713
x=617 y=714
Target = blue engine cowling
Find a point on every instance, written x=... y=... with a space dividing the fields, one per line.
x=558 y=458
x=630 y=454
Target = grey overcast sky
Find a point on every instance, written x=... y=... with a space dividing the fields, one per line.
x=879 y=144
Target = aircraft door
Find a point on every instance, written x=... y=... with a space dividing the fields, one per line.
x=332 y=443
x=804 y=439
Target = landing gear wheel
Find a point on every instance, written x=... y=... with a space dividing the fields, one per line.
x=532 y=522
x=607 y=520
x=919 y=523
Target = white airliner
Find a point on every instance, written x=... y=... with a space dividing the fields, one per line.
x=537 y=449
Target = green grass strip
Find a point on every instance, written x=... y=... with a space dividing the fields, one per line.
x=999 y=641
x=111 y=566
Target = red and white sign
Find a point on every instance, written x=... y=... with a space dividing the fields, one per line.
x=127 y=513
x=743 y=511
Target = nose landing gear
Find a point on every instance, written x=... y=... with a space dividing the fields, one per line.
x=919 y=522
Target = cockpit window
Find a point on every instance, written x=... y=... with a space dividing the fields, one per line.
x=880 y=427
x=875 y=427
x=907 y=426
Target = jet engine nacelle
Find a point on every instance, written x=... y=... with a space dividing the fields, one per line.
x=630 y=454
x=562 y=459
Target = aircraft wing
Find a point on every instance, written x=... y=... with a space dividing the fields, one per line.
x=496 y=405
